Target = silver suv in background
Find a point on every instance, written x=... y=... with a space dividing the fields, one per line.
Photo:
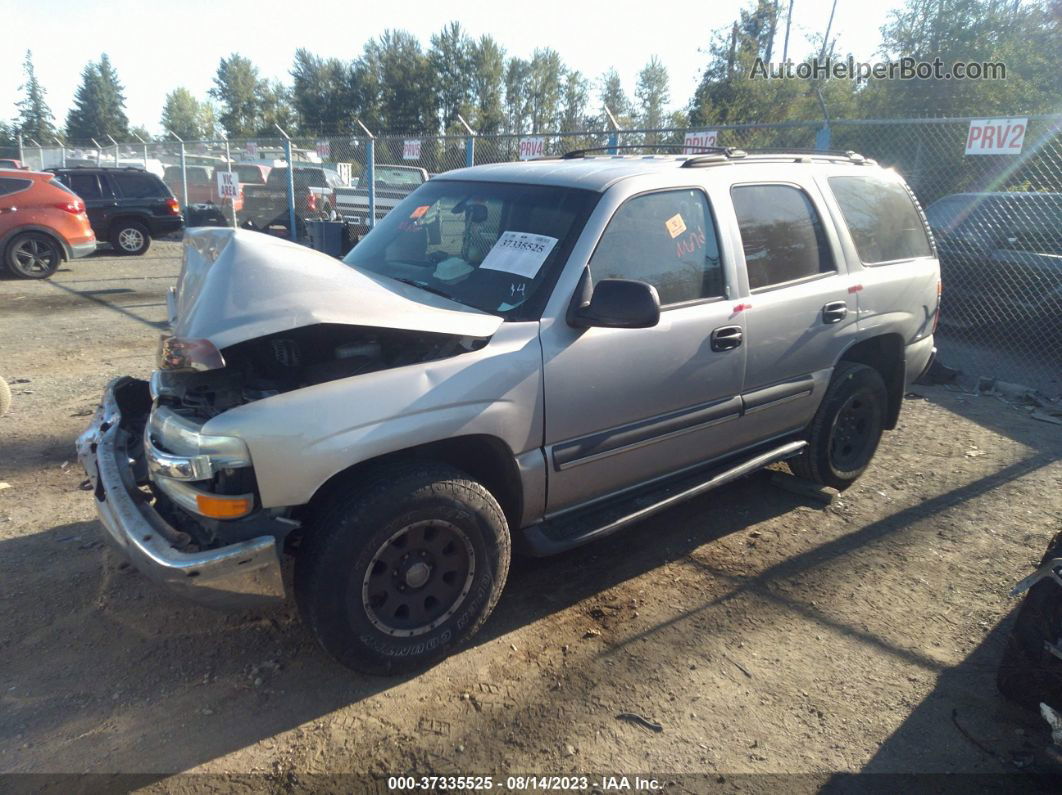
x=531 y=355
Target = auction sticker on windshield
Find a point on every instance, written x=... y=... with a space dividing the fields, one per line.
x=521 y=253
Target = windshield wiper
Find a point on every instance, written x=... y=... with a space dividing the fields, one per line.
x=425 y=287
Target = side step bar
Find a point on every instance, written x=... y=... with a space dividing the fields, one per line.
x=552 y=536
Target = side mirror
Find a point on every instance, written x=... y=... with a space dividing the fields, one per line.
x=615 y=303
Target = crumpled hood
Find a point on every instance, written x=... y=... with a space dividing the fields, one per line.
x=237 y=285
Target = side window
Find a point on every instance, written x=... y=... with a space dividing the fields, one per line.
x=781 y=233
x=10 y=185
x=135 y=185
x=667 y=239
x=882 y=218
x=87 y=186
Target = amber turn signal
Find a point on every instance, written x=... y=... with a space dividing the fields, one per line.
x=217 y=507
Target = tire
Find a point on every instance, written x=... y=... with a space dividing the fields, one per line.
x=130 y=238
x=396 y=574
x=33 y=255
x=844 y=435
x=1028 y=672
x=5 y=397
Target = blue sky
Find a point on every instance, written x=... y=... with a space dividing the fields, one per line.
x=157 y=47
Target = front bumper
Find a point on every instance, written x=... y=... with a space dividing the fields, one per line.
x=246 y=574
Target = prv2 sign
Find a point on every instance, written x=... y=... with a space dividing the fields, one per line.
x=698 y=140
x=411 y=149
x=996 y=136
x=534 y=146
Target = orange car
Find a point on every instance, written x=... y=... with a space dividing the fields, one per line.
x=42 y=223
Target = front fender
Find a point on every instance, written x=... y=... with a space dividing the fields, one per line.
x=300 y=439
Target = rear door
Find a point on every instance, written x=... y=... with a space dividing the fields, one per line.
x=95 y=191
x=140 y=193
x=801 y=312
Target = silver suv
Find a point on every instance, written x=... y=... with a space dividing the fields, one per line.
x=524 y=355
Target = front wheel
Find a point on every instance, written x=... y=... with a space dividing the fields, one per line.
x=130 y=238
x=845 y=432
x=396 y=574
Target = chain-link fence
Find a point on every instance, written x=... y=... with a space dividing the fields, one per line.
x=996 y=218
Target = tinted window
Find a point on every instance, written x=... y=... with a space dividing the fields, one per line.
x=11 y=185
x=666 y=239
x=137 y=186
x=781 y=233
x=882 y=218
x=493 y=246
x=249 y=175
x=87 y=186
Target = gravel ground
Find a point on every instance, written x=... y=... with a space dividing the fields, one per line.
x=763 y=632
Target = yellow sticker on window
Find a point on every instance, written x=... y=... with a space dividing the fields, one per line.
x=675 y=225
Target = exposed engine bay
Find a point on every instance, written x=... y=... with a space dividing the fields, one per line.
x=298 y=358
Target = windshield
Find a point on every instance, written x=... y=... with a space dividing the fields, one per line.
x=493 y=246
x=397 y=176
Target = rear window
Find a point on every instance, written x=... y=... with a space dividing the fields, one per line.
x=138 y=185
x=398 y=177
x=781 y=234
x=882 y=218
x=249 y=175
x=10 y=185
x=87 y=186
x=304 y=177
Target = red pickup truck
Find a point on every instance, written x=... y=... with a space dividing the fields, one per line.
x=203 y=186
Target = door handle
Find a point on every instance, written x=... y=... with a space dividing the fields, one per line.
x=726 y=338
x=834 y=312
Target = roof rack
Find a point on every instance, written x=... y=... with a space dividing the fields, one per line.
x=712 y=155
x=575 y=154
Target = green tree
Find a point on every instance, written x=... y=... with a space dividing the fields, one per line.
x=653 y=94
x=99 y=104
x=320 y=93
x=276 y=108
x=545 y=80
x=615 y=99
x=451 y=59
x=182 y=114
x=8 y=134
x=1023 y=35
x=34 y=118
x=575 y=102
x=517 y=95
x=488 y=86
x=393 y=89
x=236 y=88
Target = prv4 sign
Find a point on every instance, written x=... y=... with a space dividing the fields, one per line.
x=996 y=136
x=534 y=146
x=698 y=140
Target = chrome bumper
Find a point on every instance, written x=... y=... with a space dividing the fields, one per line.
x=246 y=574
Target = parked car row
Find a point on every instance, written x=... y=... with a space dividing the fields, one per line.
x=48 y=217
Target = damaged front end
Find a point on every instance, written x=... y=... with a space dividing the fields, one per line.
x=252 y=320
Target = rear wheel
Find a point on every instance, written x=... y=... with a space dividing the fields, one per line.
x=33 y=255
x=845 y=432
x=396 y=574
x=130 y=238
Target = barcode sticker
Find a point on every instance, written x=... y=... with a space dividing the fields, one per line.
x=521 y=253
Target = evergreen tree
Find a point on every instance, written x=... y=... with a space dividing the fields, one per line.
x=653 y=94
x=517 y=95
x=181 y=114
x=35 y=118
x=451 y=60
x=320 y=93
x=276 y=109
x=614 y=98
x=99 y=105
x=575 y=102
x=236 y=87
x=545 y=80
x=393 y=82
x=488 y=86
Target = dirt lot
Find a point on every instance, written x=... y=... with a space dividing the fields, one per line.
x=762 y=631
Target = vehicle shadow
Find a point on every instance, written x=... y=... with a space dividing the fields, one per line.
x=105 y=672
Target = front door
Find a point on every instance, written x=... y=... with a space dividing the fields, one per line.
x=623 y=406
